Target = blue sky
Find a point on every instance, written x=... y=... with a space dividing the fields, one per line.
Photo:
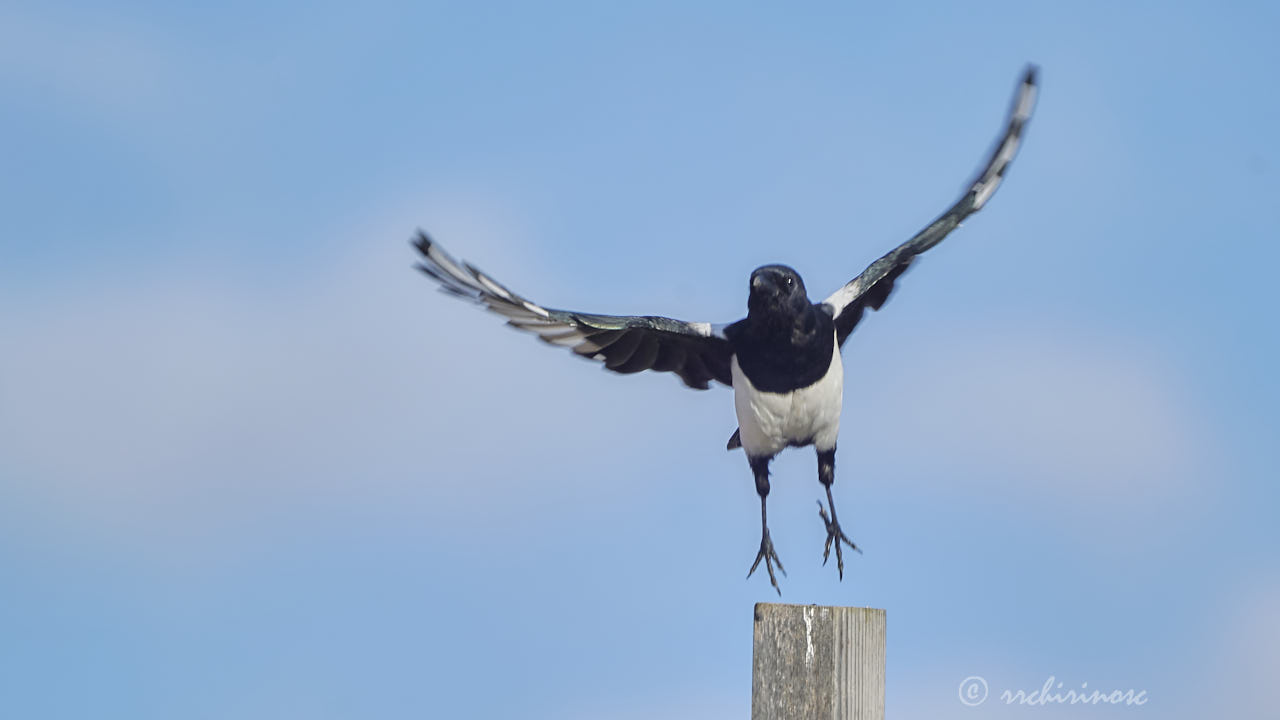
x=254 y=466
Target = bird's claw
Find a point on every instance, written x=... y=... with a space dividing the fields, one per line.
x=834 y=535
x=770 y=557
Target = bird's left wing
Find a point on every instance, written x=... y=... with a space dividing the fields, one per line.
x=872 y=287
x=697 y=352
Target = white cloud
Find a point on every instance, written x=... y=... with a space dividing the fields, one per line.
x=1242 y=680
x=1086 y=424
x=155 y=403
x=183 y=402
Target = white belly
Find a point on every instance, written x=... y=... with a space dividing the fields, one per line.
x=769 y=422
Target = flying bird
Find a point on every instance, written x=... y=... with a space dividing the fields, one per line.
x=782 y=360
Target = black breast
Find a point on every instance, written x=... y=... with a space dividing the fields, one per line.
x=780 y=359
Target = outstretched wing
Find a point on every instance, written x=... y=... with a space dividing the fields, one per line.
x=697 y=352
x=872 y=287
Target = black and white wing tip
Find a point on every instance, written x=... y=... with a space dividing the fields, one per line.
x=871 y=288
x=697 y=352
x=1023 y=104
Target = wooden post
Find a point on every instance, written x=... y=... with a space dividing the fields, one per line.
x=817 y=663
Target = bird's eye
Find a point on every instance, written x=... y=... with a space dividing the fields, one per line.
x=790 y=282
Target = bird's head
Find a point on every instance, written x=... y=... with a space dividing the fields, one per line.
x=777 y=293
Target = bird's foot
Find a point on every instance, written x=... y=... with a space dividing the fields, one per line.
x=770 y=557
x=834 y=536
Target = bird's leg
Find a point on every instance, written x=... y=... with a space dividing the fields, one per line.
x=760 y=466
x=827 y=476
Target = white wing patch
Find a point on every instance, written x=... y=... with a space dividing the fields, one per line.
x=697 y=352
x=990 y=179
x=468 y=281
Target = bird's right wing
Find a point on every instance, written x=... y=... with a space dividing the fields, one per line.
x=872 y=287
x=697 y=352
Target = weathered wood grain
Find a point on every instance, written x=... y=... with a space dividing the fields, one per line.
x=817 y=663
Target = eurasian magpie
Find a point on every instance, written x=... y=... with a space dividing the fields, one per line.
x=782 y=360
